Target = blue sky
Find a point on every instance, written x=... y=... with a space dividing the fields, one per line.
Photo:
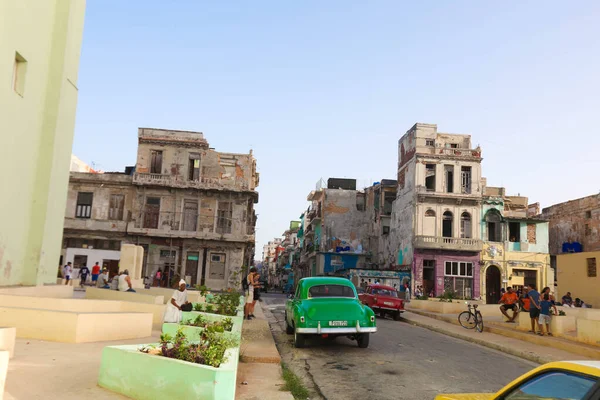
x=325 y=89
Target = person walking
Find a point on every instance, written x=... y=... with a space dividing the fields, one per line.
x=157 y=278
x=83 y=274
x=95 y=272
x=67 y=271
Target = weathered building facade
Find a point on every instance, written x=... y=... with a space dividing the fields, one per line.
x=433 y=233
x=575 y=246
x=189 y=206
x=515 y=244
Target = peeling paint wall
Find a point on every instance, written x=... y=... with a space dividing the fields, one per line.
x=577 y=221
x=343 y=224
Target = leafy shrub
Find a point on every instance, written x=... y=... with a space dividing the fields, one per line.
x=448 y=296
x=561 y=313
x=198 y=307
x=424 y=297
x=211 y=326
x=209 y=308
x=210 y=351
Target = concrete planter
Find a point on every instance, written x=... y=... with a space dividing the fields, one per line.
x=3 y=371
x=127 y=371
x=560 y=325
x=192 y=333
x=7 y=340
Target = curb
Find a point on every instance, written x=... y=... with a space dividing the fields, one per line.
x=505 y=349
x=563 y=344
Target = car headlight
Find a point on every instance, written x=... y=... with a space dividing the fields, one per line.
x=372 y=318
x=302 y=319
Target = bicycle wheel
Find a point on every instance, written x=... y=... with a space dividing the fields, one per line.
x=479 y=322
x=466 y=319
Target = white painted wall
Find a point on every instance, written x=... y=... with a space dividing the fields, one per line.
x=94 y=256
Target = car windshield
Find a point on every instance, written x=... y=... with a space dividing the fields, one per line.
x=331 y=291
x=385 y=292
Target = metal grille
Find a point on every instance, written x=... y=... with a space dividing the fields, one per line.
x=462 y=287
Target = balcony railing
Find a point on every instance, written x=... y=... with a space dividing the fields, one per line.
x=448 y=151
x=181 y=182
x=438 y=242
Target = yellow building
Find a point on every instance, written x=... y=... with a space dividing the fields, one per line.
x=40 y=44
x=577 y=273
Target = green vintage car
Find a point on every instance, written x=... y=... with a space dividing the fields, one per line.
x=328 y=307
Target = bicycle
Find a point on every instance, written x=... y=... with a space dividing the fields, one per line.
x=471 y=319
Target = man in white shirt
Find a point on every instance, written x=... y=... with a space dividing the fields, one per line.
x=173 y=312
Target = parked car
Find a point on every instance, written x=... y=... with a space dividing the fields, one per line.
x=384 y=300
x=329 y=307
x=557 y=380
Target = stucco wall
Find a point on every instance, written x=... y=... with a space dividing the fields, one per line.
x=41 y=120
x=343 y=224
x=440 y=259
x=573 y=277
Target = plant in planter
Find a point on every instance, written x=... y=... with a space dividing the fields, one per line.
x=209 y=351
x=561 y=313
x=198 y=307
x=212 y=326
x=424 y=297
x=228 y=303
x=203 y=290
x=209 y=308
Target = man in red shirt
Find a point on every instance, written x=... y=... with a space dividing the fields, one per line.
x=95 y=272
x=509 y=301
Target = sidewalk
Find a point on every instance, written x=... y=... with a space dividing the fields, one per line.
x=259 y=371
x=528 y=346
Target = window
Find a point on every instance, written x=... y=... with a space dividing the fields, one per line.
x=454 y=145
x=217 y=258
x=217 y=266
x=156 y=162
x=84 y=205
x=455 y=268
x=465 y=225
x=115 y=208
x=429 y=142
x=494 y=226
x=449 y=173
x=554 y=385
x=591 y=268
x=514 y=232
x=531 y=233
x=360 y=201
x=224 y=215
x=466 y=179
x=19 y=71
x=447 y=224
x=194 y=168
x=588 y=214
x=430 y=177
x=152 y=212
x=428 y=263
x=331 y=291
x=167 y=253
x=386 y=230
x=430 y=213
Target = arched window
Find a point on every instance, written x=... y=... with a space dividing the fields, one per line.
x=447 y=224
x=465 y=226
x=493 y=221
x=430 y=213
x=429 y=223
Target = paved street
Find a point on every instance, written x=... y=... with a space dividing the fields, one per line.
x=402 y=362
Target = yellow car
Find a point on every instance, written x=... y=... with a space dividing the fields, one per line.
x=565 y=380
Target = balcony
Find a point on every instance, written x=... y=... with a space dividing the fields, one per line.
x=88 y=224
x=445 y=243
x=189 y=225
x=202 y=183
x=474 y=154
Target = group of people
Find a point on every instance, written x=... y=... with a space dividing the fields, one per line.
x=567 y=301
x=540 y=306
x=100 y=278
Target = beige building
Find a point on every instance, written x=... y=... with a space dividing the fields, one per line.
x=189 y=206
x=578 y=274
x=40 y=44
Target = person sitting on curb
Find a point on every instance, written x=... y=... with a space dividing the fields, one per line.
x=580 y=303
x=173 y=312
x=102 y=280
x=509 y=300
x=567 y=300
x=125 y=282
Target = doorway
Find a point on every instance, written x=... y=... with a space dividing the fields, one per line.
x=112 y=266
x=190 y=215
x=428 y=276
x=191 y=266
x=492 y=285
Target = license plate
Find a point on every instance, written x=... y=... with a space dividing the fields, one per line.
x=338 y=323
x=388 y=303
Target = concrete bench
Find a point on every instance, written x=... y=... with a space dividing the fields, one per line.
x=76 y=327
x=3 y=371
x=7 y=340
x=193 y=295
x=108 y=294
x=588 y=331
x=52 y=291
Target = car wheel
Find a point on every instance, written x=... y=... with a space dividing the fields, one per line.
x=397 y=316
x=299 y=340
x=363 y=340
x=288 y=329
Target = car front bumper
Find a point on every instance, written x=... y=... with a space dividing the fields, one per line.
x=341 y=330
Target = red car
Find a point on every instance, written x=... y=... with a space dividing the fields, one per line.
x=383 y=300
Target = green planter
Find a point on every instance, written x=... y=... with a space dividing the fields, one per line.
x=141 y=376
x=192 y=333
